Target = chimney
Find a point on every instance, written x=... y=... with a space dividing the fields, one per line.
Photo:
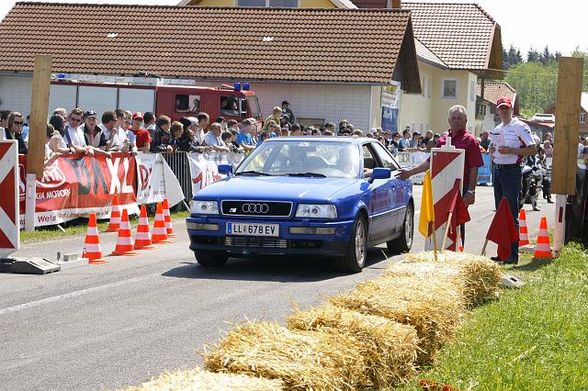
x=395 y=4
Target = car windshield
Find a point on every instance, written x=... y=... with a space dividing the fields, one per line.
x=322 y=159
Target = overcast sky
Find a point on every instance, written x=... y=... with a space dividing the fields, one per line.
x=559 y=24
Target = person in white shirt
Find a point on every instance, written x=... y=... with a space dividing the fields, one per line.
x=74 y=135
x=510 y=141
x=213 y=138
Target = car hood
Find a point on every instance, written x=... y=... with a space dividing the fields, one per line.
x=275 y=188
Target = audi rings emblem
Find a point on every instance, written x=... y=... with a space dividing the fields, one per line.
x=255 y=208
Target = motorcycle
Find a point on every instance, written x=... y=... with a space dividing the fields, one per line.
x=532 y=182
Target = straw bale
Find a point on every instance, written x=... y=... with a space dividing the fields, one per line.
x=302 y=360
x=389 y=347
x=433 y=306
x=199 y=380
x=478 y=276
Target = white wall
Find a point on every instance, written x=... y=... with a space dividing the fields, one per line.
x=416 y=109
x=359 y=104
x=332 y=102
x=16 y=93
x=429 y=109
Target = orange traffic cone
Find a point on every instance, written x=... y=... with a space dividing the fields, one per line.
x=143 y=237
x=92 y=249
x=168 y=221
x=523 y=231
x=114 y=223
x=542 y=249
x=159 y=230
x=124 y=240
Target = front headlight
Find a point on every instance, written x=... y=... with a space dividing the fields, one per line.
x=318 y=211
x=204 y=207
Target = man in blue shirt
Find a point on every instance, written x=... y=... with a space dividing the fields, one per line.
x=244 y=138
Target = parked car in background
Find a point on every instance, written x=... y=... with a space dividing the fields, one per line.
x=323 y=196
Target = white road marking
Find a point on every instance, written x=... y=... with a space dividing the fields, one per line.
x=53 y=299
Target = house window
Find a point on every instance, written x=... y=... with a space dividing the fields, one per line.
x=480 y=110
x=449 y=89
x=423 y=80
x=582 y=118
x=283 y=3
x=268 y=3
x=251 y=3
x=429 y=82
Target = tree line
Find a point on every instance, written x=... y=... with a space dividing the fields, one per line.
x=535 y=76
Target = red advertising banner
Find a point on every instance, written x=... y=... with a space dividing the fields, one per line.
x=74 y=186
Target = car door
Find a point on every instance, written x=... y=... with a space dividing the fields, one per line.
x=398 y=189
x=382 y=217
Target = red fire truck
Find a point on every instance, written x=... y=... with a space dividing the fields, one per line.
x=173 y=101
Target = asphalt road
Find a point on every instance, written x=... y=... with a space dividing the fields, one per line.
x=113 y=325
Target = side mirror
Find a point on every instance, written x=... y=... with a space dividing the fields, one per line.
x=225 y=169
x=380 y=173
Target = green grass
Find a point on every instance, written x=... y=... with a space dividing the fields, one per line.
x=78 y=227
x=535 y=338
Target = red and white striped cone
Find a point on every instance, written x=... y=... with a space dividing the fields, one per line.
x=168 y=221
x=143 y=237
x=159 y=229
x=124 y=240
x=523 y=231
x=92 y=249
x=542 y=248
x=114 y=223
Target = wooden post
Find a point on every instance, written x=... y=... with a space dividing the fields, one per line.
x=39 y=111
x=567 y=126
x=37 y=133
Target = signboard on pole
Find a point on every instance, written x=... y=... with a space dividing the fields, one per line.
x=447 y=165
x=9 y=217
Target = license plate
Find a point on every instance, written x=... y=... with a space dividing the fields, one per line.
x=253 y=229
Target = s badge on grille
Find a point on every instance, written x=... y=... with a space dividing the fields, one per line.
x=233 y=210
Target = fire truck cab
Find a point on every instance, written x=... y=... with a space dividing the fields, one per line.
x=230 y=103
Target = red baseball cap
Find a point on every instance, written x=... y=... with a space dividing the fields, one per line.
x=504 y=102
x=137 y=115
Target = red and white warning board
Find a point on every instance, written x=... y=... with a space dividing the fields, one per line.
x=9 y=216
x=447 y=165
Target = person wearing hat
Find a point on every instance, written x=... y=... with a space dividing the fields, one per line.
x=510 y=141
x=92 y=132
x=142 y=135
x=288 y=117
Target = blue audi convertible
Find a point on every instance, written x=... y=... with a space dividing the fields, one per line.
x=321 y=196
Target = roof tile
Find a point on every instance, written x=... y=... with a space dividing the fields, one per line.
x=244 y=43
x=446 y=28
x=496 y=89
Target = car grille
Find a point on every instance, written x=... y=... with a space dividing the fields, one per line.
x=255 y=242
x=256 y=208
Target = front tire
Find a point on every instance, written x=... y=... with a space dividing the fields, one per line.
x=403 y=243
x=354 y=259
x=211 y=258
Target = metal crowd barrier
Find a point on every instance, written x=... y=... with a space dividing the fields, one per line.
x=178 y=162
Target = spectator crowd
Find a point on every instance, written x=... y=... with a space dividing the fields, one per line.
x=82 y=132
